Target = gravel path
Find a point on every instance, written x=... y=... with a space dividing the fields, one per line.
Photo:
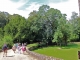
x=15 y=56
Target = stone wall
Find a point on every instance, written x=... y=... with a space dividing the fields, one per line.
x=41 y=57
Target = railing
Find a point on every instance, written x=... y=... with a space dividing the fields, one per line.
x=41 y=57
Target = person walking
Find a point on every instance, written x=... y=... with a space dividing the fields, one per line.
x=19 y=48
x=23 y=48
x=4 y=49
x=14 y=48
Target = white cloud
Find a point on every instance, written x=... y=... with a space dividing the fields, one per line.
x=32 y=7
x=29 y=9
x=8 y=6
x=12 y=7
x=65 y=7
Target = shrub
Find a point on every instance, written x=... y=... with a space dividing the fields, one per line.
x=8 y=40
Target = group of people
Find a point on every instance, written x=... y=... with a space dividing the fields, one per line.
x=17 y=47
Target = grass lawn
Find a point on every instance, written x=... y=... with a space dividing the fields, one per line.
x=67 y=53
x=30 y=45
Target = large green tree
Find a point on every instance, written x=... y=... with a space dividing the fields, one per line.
x=3 y=19
x=75 y=24
x=16 y=27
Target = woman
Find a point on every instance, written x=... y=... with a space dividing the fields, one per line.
x=4 y=49
x=24 y=49
x=19 y=48
x=14 y=48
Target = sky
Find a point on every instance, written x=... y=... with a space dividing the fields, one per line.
x=24 y=7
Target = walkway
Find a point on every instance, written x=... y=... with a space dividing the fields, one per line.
x=15 y=56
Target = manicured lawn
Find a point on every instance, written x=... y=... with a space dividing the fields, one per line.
x=67 y=53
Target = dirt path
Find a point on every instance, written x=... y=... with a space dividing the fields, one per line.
x=15 y=56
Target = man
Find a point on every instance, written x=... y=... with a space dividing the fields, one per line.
x=4 y=49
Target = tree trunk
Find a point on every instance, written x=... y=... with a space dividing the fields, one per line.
x=79 y=36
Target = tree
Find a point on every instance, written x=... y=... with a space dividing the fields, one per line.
x=16 y=27
x=44 y=23
x=75 y=23
x=43 y=9
x=3 y=19
x=1 y=34
x=62 y=34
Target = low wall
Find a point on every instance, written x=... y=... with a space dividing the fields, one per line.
x=0 y=50
x=41 y=57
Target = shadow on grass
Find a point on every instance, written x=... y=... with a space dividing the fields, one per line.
x=69 y=46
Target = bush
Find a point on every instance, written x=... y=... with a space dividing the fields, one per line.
x=42 y=44
x=36 y=45
x=1 y=44
x=8 y=40
x=32 y=46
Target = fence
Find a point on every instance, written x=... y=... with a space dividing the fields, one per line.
x=41 y=57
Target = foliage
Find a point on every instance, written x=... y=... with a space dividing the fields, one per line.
x=3 y=19
x=8 y=40
x=16 y=27
x=75 y=27
x=30 y=45
x=47 y=25
x=1 y=34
